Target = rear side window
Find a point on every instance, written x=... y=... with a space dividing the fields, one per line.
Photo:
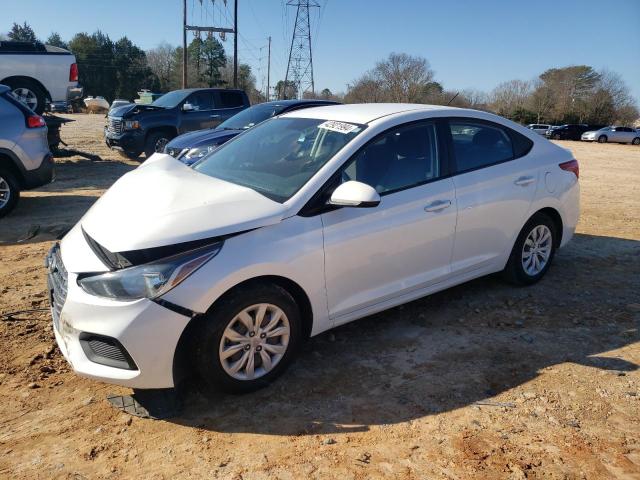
x=478 y=144
x=230 y=99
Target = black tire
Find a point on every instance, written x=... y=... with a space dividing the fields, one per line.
x=24 y=83
x=602 y=139
x=154 y=141
x=8 y=178
x=556 y=136
x=130 y=155
x=515 y=272
x=207 y=336
x=635 y=141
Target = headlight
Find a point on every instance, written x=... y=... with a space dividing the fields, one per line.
x=131 y=124
x=199 y=152
x=150 y=280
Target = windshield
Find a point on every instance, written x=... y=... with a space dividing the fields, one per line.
x=277 y=157
x=250 y=117
x=171 y=99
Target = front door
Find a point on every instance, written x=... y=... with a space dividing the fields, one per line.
x=375 y=255
x=202 y=114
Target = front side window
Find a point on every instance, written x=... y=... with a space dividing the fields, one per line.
x=399 y=159
x=201 y=101
x=277 y=157
x=477 y=144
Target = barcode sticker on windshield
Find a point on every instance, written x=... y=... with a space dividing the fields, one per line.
x=336 y=126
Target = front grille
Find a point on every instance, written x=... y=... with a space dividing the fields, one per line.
x=115 y=125
x=57 y=280
x=106 y=351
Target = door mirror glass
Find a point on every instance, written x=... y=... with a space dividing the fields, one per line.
x=187 y=107
x=355 y=194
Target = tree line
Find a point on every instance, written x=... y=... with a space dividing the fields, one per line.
x=572 y=94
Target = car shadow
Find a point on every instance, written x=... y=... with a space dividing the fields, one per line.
x=453 y=349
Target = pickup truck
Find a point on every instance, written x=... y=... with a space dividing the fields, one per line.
x=39 y=74
x=137 y=128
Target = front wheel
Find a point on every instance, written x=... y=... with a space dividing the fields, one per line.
x=602 y=139
x=533 y=251
x=155 y=143
x=248 y=339
x=556 y=136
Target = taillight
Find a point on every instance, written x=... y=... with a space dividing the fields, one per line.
x=73 y=72
x=35 y=121
x=571 y=166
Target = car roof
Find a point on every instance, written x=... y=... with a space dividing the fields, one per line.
x=367 y=112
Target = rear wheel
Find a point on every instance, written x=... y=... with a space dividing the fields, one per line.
x=636 y=141
x=533 y=251
x=9 y=192
x=248 y=340
x=602 y=139
x=29 y=93
x=156 y=142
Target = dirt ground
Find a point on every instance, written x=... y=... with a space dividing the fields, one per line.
x=481 y=381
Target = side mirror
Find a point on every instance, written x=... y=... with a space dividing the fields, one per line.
x=187 y=107
x=355 y=194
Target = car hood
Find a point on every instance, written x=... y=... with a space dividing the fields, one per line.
x=131 y=110
x=164 y=202
x=201 y=138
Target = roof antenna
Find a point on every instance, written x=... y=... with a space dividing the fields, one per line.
x=453 y=98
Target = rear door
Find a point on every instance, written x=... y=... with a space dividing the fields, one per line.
x=495 y=182
x=228 y=103
x=375 y=255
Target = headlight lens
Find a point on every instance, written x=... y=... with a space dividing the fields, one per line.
x=150 y=280
x=131 y=124
x=199 y=152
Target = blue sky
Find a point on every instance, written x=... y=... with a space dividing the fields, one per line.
x=469 y=44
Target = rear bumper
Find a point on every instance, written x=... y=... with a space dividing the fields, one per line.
x=74 y=93
x=127 y=141
x=42 y=175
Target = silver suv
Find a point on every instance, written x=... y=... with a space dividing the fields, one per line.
x=25 y=159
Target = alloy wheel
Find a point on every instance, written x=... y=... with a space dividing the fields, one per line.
x=5 y=193
x=27 y=97
x=254 y=341
x=536 y=250
x=160 y=144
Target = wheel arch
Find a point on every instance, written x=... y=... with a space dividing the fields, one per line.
x=181 y=357
x=555 y=217
x=31 y=79
x=10 y=162
x=171 y=130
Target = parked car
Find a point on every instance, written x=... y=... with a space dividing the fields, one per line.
x=136 y=128
x=25 y=160
x=613 y=134
x=305 y=222
x=570 y=131
x=191 y=147
x=39 y=74
x=539 y=128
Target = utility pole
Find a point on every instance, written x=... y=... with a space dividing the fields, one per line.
x=300 y=65
x=235 y=44
x=184 y=44
x=196 y=28
x=268 y=69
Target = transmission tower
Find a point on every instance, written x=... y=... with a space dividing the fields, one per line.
x=300 y=66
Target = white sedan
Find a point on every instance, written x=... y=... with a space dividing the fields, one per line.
x=612 y=134
x=307 y=221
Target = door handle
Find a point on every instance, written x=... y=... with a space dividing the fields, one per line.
x=524 y=181
x=437 y=205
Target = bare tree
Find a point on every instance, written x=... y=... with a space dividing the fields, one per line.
x=161 y=60
x=509 y=98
